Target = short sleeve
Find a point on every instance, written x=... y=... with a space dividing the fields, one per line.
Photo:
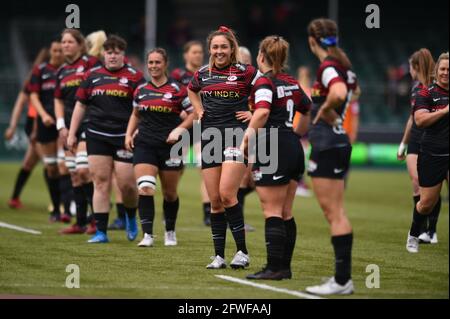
x=194 y=85
x=186 y=104
x=84 y=91
x=330 y=76
x=58 y=94
x=304 y=104
x=422 y=101
x=262 y=93
x=34 y=85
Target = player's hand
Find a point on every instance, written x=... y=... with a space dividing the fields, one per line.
x=71 y=142
x=244 y=116
x=244 y=147
x=129 y=142
x=329 y=116
x=401 y=152
x=174 y=136
x=318 y=116
x=63 y=134
x=48 y=120
x=199 y=115
x=9 y=133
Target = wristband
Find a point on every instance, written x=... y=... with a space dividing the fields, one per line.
x=401 y=149
x=60 y=124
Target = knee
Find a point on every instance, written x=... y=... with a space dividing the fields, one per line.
x=146 y=185
x=84 y=174
x=228 y=198
x=146 y=191
x=128 y=190
x=102 y=183
x=170 y=196
x=52 y=171
x=216 y=203
x=331 y=214
x=426 y=205
x=75 y=177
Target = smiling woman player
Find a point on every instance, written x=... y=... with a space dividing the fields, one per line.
x=157 y=108
x=431 y=113
x=193 y=56
x=218 y=92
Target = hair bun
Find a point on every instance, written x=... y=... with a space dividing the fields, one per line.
x=224 y=29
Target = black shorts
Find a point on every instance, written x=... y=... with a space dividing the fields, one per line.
x=333 y=163
x=229 y=149
x=290 y=164
x=432 y=170
x=108 y=146
x=413 y=147
x=29 y=126
x=46 y=134
x=157 y=155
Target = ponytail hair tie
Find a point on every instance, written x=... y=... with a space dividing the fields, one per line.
x=224 y=29
x=330 y=41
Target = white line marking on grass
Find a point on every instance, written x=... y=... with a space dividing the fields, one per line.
x=115 y=287
x=267 y=287
x=18 y=228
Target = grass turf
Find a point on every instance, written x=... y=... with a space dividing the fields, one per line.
x=378 y=203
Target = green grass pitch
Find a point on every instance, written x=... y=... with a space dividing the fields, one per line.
x=378 y=203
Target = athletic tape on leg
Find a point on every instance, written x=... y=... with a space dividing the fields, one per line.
x=146 y=181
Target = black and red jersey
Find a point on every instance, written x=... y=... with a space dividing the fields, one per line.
x=159 y=110
x=224 y=92
x=108 y=96
x=322 y=135
x=282 y=95
x=69 y=78
x=416 y=132
x=43 y=82
x=435 y=138
x=184 y=76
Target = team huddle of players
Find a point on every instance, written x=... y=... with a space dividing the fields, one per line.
x=118 y=129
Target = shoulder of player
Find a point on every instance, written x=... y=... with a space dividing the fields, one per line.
x=264 y=80
x=244 y=68
x=331 y=63
x=140 y=89
x=203 y=69
x=134 y=73
x=177 y=86
x=425 y=91
x=90 y=60
x=177 y=73
x=95 y=71
x=41 y=66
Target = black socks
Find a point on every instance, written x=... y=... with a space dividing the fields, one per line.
x=146 y=213
x=291 y=238
x=219 y=232
x=235 y=219
x=275 y=233
x=343 y=257
x=170 y=213
x=81 y=203
x=101 y=220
